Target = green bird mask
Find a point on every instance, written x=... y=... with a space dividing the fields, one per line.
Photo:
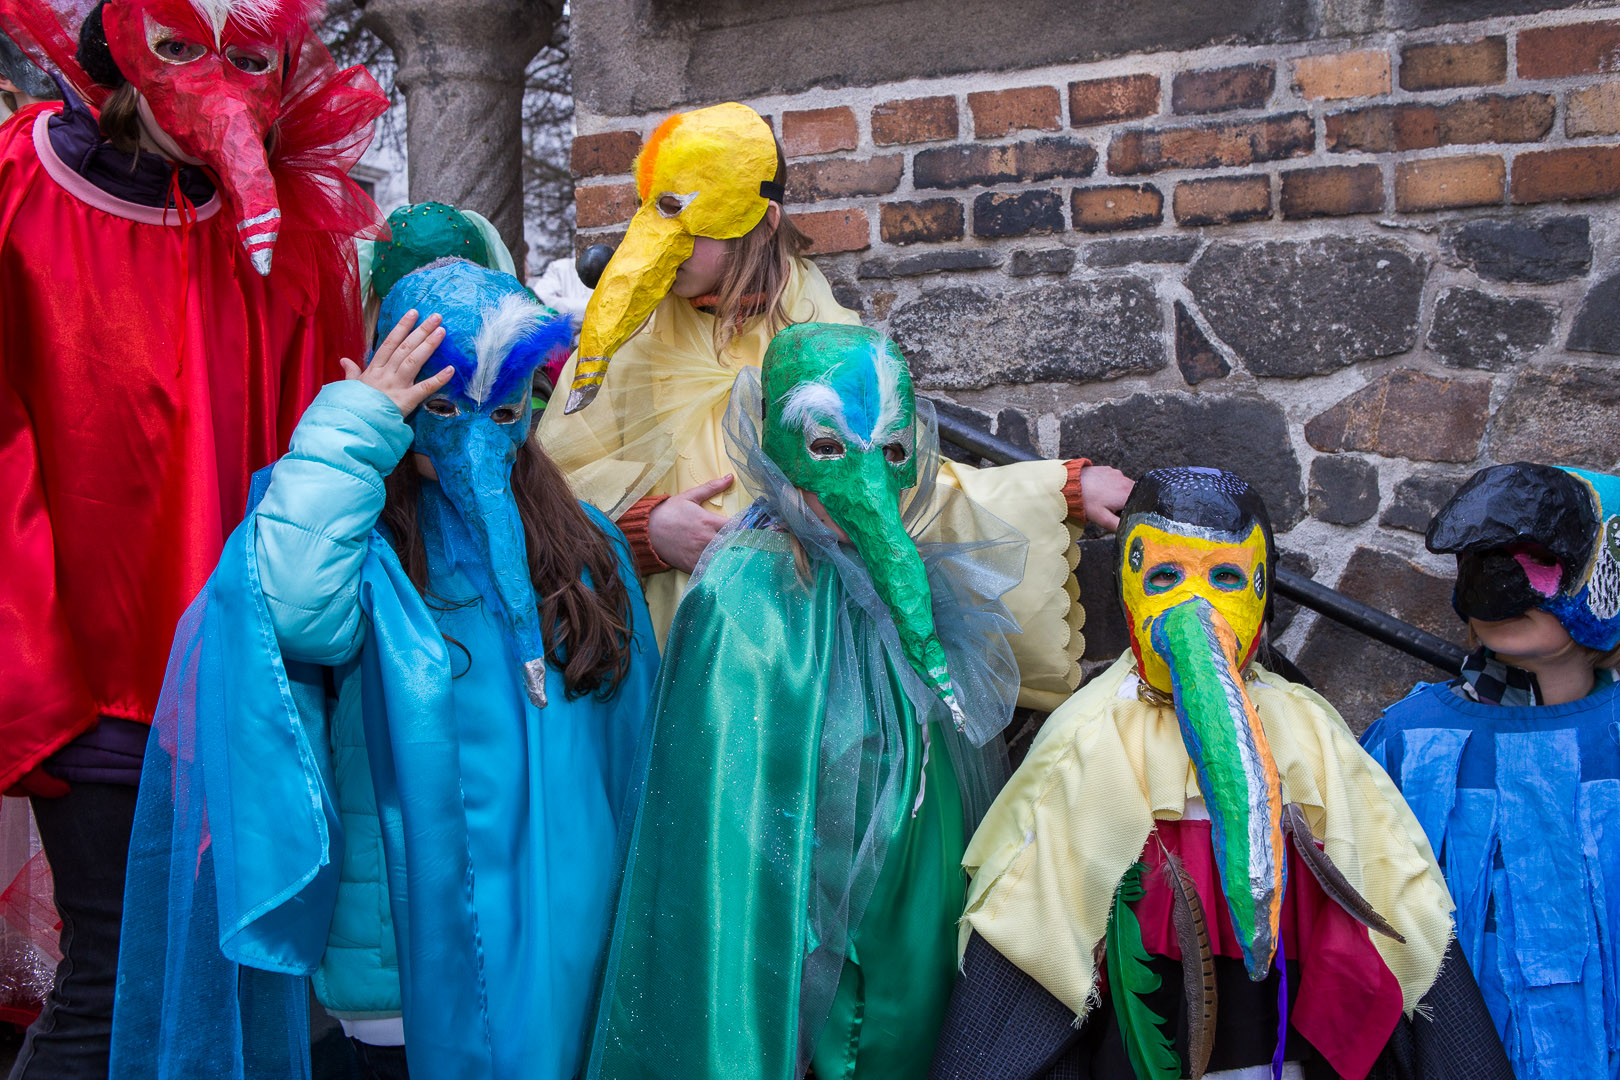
x=841 y=423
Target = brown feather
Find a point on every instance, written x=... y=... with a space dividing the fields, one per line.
x=1329 y=877
x=1197 y=963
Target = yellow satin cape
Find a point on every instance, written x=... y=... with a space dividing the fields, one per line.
x=1050 y=854
x=655 y=429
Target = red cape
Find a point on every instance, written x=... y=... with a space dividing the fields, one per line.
x=145 y=373
x=1347 y=1002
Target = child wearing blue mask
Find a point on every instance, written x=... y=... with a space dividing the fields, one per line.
x=411 y=694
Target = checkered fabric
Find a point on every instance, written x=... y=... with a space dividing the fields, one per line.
x=1488 y=680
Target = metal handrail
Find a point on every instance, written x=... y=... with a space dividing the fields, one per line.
x=1363 y=618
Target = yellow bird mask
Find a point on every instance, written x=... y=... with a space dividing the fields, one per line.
x=1204 y=535
x=713 y=172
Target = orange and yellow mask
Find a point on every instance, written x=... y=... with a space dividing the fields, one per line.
x=713 y=172
x=1195 y=569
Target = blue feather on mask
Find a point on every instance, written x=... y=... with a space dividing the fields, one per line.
x=496 y=332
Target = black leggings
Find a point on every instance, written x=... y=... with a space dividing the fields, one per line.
x=85 y=834
x=381 y=1062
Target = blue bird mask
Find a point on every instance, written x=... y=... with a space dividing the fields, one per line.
x=496 y=334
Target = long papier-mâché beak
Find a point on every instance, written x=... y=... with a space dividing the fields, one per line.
x=243 y=168
x=875 y=528
x=637 y=278
x=479 y=486
x=1236 y=772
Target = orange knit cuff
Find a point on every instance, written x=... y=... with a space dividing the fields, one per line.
x=1071 y=488
x=633 y=523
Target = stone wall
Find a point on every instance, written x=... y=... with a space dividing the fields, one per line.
x=1353 y=267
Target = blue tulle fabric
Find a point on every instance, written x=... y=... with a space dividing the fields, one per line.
x=237 y=842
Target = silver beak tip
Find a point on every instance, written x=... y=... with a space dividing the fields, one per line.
x=261 y=261
x=579 y=397
x=534 y=681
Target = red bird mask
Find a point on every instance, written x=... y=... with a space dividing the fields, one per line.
x=210 y=73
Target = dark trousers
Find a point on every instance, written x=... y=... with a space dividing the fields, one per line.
x=381 y=1062
x=85 y=834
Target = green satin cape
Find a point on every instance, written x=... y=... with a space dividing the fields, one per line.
x=712 y=932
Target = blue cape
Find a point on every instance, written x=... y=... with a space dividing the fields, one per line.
x=235 y=853
x=1522 y=808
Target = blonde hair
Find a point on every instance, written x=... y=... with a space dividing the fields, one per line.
x=758 y=264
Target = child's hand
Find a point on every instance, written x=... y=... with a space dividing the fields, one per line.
x=1104 y=491
x=394 y=365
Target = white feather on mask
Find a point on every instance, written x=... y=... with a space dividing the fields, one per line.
x=514 y=318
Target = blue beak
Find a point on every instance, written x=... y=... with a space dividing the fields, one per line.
x=473 y=457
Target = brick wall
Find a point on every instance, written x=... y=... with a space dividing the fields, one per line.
x=1353 y=270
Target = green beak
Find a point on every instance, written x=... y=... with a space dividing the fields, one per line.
x=869 y=511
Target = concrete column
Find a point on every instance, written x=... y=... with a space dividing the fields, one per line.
x=461 y=65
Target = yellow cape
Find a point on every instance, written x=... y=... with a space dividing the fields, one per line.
x=656 y=429
x=1052 y=850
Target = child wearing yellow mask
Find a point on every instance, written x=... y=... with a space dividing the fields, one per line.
x=1196 y=871
x=710 y=270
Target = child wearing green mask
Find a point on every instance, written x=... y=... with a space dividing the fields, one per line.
x=710 y=270
x=815 y=766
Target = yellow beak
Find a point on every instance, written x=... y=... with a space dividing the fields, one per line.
x=636 y=279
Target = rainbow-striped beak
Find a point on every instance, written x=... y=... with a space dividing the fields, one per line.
x=1236 y=773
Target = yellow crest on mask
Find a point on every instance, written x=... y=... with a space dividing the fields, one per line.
x=704 y=169
x=1165 y=562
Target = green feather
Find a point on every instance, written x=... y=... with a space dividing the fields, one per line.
x=1153 y=1056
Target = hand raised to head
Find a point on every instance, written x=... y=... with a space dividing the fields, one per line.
x=394 y=366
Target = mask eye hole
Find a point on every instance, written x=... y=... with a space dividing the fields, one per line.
x=174 y=50
x=826 y=448
x=1161 y=578
x=441 y=407
x=670 y=204
x=1228 y=578
x=250 y=61
x=506 y=414
x=895 y=453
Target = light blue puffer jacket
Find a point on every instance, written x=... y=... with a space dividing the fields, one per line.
x=314 y=525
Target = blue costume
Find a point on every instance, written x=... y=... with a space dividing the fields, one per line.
x=394 y=795
x=1521 y=800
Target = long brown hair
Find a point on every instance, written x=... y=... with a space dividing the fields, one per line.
x=758 y=264
x=121 y=120
x=587 y=628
